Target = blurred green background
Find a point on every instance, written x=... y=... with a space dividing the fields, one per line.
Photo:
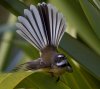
x=80 y=43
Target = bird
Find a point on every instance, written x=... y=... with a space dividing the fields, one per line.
x=43 y=26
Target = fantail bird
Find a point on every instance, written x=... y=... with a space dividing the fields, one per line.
x=43 y=26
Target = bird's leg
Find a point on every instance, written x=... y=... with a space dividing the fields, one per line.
x=58 y=78
x=52 y=75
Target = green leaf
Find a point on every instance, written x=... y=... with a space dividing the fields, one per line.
x=12 y=79
x=27 y=48
x=42 y=81
x=76 y=19
x=37 y=80
x=6 y=45
x=13 y=6
x=92 y=14
x=82 y=54
x=97 y=4
x=4 y=50
x=6 y=27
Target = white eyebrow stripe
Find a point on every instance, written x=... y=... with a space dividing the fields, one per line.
x=60 y=55
x=61 y=63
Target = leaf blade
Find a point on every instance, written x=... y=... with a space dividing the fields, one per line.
x=82 y=54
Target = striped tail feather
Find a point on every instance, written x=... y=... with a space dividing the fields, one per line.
x=41 y=26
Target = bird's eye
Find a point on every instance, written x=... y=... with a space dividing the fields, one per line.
x=61 y=60
x=60 y=57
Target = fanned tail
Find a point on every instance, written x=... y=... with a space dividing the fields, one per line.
x=41 y=26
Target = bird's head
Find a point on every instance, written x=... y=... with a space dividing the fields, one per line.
x=62 y=62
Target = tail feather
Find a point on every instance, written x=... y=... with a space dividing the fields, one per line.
x=41 y=26
x=50 y=21
x=27 y=38
x=39 y=34
x=59 y=17
x=45 y=15
x=61 y=30
x=43 y=22
x=25 y=27
x=54 y=22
